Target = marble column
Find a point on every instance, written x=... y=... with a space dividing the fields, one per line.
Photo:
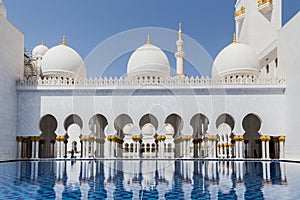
x=282 y=147
x=241 y=147
x=268 y=138
x=263 y=146
x=19 y=153
x=37 y=150
x=229 y=150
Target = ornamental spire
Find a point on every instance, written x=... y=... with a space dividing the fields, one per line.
x=180 y=31
x=148 y=39
x=180 y=54
x=64 y=41
x=234 y=38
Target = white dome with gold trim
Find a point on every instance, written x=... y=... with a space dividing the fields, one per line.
x=148 y=60
x=39 y=51
x=236 y=59
x=63 y=61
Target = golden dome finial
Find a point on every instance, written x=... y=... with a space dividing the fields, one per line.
x=64 y=40
x=148 y=39
x=43 y=43
x=180 y=29
x=234 y=38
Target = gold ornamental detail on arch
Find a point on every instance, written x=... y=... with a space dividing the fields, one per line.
x=186 y=137
x=60 y=138
x=35 y=139
x=85 y=138
x=136 y=138
x=238 y=138
x=212 y=138
x=161 y=138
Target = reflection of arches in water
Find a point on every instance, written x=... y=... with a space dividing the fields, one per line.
x=48 y=125
x=252 y=124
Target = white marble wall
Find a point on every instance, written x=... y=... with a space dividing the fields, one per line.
x=288 y=49
x=11 y=67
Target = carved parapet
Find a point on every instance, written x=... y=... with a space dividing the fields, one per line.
x=172 y=81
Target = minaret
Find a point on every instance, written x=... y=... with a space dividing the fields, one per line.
x=180 y=54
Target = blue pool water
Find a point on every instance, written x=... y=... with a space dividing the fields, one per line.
x=149 y=179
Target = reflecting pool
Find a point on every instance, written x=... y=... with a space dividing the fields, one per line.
x=149 y=179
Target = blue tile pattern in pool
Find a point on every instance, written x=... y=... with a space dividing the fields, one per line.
x=149 y=179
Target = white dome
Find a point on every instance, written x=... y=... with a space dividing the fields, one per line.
x=148 y=129
x=128 y=129
x=169 y=129
x=148 y=60
x=2 y=9
x=236 y=59
x=63 y=61
x=39 y=51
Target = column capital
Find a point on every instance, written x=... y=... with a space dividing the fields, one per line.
x=85 y=138
x=60 y=138
x=268 y=138
x=186 y=137
x=136 y=138
x=238 y=138
x=161 y=138
x=281 y=139
x=20 y=139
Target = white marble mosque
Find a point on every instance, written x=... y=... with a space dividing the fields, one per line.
x=248 y=108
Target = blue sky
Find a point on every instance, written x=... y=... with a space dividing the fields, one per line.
x=86 y=23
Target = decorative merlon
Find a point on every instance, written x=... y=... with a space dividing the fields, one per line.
x=173 y=81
